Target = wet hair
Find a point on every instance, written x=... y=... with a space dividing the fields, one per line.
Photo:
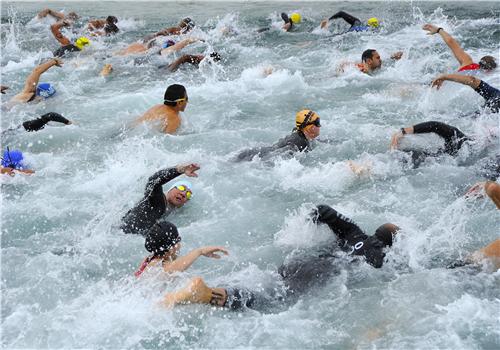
x=385 y=233
x=174 y=92
x=111 y=19
x=161 y=237
x=215 y=56
x=487 y=63
x=367 y=54
x=111 y=28
x=72 y=15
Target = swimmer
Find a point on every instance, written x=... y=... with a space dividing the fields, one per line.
x=171 y=46
x=155 y=203
x=32 y=89
x=191 y=59
x=307 y=128
x=184 y=27
x=294 y=18
x=489 y=255
x=299 y=275
x=108 y=23
x=355 y=23
x=486 y=63
x=167 y=114
x=66 y=45
x=39 y=123
x=167 y=47
x=489 y=93
x=12 y=162
x=72 y=16
x=370 y=61
x=454 y=139
x=163 y=242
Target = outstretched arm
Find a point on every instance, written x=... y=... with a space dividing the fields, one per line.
x=193 y=59
x=184 y=262
x=34 y=77
x=462 y=57
x=55 y=14
x=469 y=80
x=178 y=46
x=56 y=31
x=447 y=132
x=342 y=226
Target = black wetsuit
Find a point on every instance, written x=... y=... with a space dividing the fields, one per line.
x=353 y=21
x=63 y=50
x=491 y=95
x=300 y=276
x=295 y=142
x=154 y=204
x=453 y=140
x=39 y=123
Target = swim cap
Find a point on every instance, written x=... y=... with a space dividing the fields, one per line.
x=161 y=238
x=296 y=17
x=186 y=24
x=373 y=22
x=167 y=43
x=173 y=94
x=45 y=90
x=13 y=159
x=304 y=118
x=81 y=42
x=385 y=232
x=184 y=183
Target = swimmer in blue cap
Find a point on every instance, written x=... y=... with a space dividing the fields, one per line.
x=13 y=161
x=156 y=203
x=32 y=88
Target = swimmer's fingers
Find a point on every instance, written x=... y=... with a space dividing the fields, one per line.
x=437 y=83
x=395 y=140
x=476 y=190
x=432 y=29
x=190 y=169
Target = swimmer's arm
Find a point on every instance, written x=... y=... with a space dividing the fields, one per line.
x=56 y=31
x=45 y=12
x=167 y=31
x=178 y=46
x=193 y=59
x=469 y=80
x=8 y=171
x=462 y=57
x=184 y=262
x=34 y=77
x=492 y=189
x=158 y=179
x=491 y=251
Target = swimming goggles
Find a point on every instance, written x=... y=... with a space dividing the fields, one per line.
x=186 y=190
x=306 y=122
x=178 y=100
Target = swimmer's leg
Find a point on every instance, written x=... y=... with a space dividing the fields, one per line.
x=196 y=292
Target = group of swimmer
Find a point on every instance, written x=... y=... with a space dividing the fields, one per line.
x=162 y=238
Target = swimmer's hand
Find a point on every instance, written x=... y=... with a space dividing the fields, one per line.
x=210 y=252
x=3 y=88
x=431 y=28
x=397 y=55
x=58 y=62
x=324 y=24
x=188 y=169
x=395 y=140
x=476 y=191
x=438 y=82
x=66 y=22
x=8 y=171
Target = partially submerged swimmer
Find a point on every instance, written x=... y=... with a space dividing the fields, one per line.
x=194 y=60
x=13 y=161
x=370 y=61
x=355 y=23
x=184 y=26
x=307 y=128
x=167 y=114
x=155 y=202
x=34 y=90
x=66 y=45
x=108 y=23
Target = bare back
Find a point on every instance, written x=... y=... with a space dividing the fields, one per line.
x=167 y=118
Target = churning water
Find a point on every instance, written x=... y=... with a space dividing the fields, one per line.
x=67 y=271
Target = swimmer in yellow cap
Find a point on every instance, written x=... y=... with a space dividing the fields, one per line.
x=307 y=128
x=294 y=18
x=356 y=24
x=66 y=45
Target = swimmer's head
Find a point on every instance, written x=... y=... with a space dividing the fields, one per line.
x=81 y=42
x=372 y=58
x=111 y=20
x=176 y=96
x=13 y=159
x=167 y=43
x=372 y=22
x=186 y=25
x=110 y=27
x=386 y=232
x=179 y=193
x=72 y=16
x=161 y=238
x=295 y=18
x=215 y=56
x=487 y=63
x=308 y=122
x=45 y=90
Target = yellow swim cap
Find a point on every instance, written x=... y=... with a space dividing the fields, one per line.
x=305 y=118
x=373 y=22
x=296 y=17
x=81 y=42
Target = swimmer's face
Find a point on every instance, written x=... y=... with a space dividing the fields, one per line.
x=375 y=62
x=183 y=104
x=176 y=197
x=312 y=131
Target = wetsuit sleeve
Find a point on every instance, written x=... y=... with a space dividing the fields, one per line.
x=453 y=138
x=39 y=123
x=490 y=94
x=346 y=17
x=155 y=182
x=343 y=227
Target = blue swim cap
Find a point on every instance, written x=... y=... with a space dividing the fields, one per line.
x=13 y=159
x=184 y=183
x=45 y=90
x=167 y=43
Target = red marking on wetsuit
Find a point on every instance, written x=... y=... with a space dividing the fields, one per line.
x=472 y=66
x=143 y=266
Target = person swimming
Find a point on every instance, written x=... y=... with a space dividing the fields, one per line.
x=155 y=203
x=66 y=45
x=354 y=22
x=13 y=161
x=195 y=60
x=39 y=123
x=307 y=128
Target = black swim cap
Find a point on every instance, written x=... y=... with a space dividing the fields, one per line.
x=367 y=54
x=161 y=238
x=111 y=19
x=385 y=233
x=487 y=63
x=173 y=93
